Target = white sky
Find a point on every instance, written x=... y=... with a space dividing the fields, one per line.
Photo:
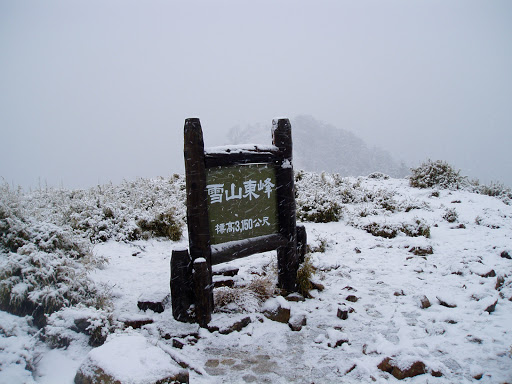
x=98 y=91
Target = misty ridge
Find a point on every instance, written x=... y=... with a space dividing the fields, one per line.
x=321 y=147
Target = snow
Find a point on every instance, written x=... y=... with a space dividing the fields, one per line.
x=241 y=148
x=286 y=164
x=131 y=358
x=274 y=303
x=461 y=342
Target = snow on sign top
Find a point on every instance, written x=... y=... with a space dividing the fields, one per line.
x=241 y=148
x=242 y=202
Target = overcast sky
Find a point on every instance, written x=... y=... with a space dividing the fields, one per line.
x=98 y=91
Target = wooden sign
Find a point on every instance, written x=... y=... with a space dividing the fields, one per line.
x=240 y=201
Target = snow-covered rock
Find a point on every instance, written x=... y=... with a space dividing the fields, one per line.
x=129 y=359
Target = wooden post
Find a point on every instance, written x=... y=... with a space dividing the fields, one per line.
x=197 y=209
x=202 y=288
x=182 y=293
x=287 y=260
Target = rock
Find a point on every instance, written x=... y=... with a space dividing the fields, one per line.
x=336 y=338
x=500 y=280
x=155 y=302
x=129 y=358
x=424 y=302
x=422 y=251
x=343 y=312
x=277 y=309
x=136 y=324
x=222 y=281
x=506 y=255
x=399 y=293
x=491 y=273
x=316 y=285
x=226 y=324
x=295 y=297
x=352 y=298
x=445 y=303
x=390 y=366
x=297 y=322
x=491 y=308
x=225 y=271
x=177 y=343
x=385 y=365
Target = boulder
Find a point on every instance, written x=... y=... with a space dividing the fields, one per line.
x=424 y=302
x=316 y=285
x=491 y=308
x=225 y=324
x=297 y=322
x=343 y=312
x=295 y=297
x=277 y=309
x=352 y=298
x=129 y=359
x=223 y=281
x=225 y=271
x=491 y=273
x=389 y=365
x=155 y=301
x=445 y=302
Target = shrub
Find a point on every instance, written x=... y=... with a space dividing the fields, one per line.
x=416 y=229
x=235 y=300
x=320 y=211
x=498 y=190
x=378 y=176
x=163 y=225
x=390 y=231
x=451 y=215
x=76 y=323
x=304 y=274
x=436 y=174
x=42 y=266
x=318 y=197
x=381 y=230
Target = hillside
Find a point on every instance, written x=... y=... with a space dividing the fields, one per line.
x=322 y=147
x=405 y=281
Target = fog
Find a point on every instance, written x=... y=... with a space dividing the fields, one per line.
x=98 y=91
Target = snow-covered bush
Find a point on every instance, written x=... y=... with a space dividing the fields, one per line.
x=304 y=274
x=498 y=190
x=317 y=197
x=442 y=175
x=42 y=267
x=437 y=174
x=451 y=215
x=378 y=176
x=78 y=323
x=389 y=231
x=19 y=350
x=246 y=298
x=143 y=208
x=163 y=225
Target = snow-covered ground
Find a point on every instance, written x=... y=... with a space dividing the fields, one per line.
x=460 y=337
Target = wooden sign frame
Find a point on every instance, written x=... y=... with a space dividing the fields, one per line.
x=191 y=270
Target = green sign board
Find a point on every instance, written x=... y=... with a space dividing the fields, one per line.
x=242 y=202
